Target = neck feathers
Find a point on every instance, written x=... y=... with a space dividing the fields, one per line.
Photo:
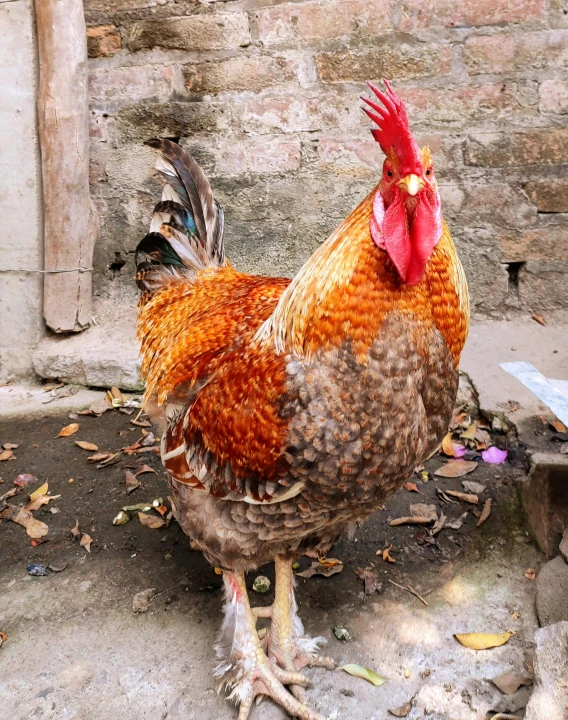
x=349 y=285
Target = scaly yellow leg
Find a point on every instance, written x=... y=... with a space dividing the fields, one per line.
x=245 y=668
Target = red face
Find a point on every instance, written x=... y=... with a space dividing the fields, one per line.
x=407 y=218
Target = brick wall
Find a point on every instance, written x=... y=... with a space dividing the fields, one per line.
x=265 y=94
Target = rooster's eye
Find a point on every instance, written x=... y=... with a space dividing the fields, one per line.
x=428 y=171
x=389 y=173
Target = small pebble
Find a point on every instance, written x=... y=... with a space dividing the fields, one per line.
x=37 y=570
x=261 y=584
x=341 y=633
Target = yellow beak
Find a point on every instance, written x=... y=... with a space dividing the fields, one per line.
x=411 y=183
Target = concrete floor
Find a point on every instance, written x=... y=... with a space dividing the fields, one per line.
x=76 y=651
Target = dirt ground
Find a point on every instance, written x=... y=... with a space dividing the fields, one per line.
x=76 y=651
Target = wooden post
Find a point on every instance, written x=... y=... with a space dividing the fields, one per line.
x=70 y=221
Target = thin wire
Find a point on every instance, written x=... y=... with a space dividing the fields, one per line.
x=48 y=271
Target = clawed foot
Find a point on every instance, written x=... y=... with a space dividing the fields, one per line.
x=267 y=663
x=258 y=677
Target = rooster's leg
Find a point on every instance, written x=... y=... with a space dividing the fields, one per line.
x=286 y=643
x=245 y=669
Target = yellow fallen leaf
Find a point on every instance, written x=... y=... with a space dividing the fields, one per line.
x=84 y=445
x=483 y=641
x=40 y=500
x=6 y=455
x=448 y=446
x=42 y=490
x=68 y=430
x=530 y=574
x=364 y=673
x=330 y=562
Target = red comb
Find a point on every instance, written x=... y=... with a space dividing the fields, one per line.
x=392 y=129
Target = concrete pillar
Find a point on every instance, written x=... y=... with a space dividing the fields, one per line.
x=21 y=324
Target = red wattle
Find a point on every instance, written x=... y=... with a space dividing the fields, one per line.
x=409 y=246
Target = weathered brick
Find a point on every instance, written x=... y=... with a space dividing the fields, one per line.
x=415 y=14
x=396 y=61
x=322 y=20
x=358 y=157
x=241 y=73
x=553 y=96
x=300 y=113
x=547 y=146
x=459 y=105
x=546 y=244
x=548 y=196
x=496 y=204
x=542 y=286
x=103 y=40
x=264 y=157
x=504 y=53
x=132 y=83
x=172 y=119
x=221 y=31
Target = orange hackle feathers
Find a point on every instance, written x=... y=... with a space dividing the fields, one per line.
x=348 y=287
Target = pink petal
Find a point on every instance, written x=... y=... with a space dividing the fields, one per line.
x=494 y=456
x=459 y=450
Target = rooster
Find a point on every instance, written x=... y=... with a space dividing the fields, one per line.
x=292 y=409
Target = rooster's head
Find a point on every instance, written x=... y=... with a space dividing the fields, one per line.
x=407 y=216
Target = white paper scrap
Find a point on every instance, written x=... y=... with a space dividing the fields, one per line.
x=543 y=388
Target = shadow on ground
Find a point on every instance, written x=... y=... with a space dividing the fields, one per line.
x=76 y=651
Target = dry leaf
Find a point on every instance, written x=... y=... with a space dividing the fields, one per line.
x=456 y=524
x=439 y=524
x=151 y=521
x=68 y=430
x=34 y=528
x=370 y=579
x=162 y=509
x=414 y=520
x=131 y=482
x=84 y=445
x=510 y=682
x=539 y=319
x=403 y=710
x=42 y=490
x=13 y=446
x=411 y=487
x=530 y=574
x=364 y=673
x=485 y=512
x=145 y=469
x=329 y=562
x=556 y=424
x=3 y=638
x=473 y=487
x=465 y=497
x=75 y=529
x=387 y=556
x=141 y=423
x=456 y=468
x=424 y=510
x=6 y=455
x=316 y=568
x=469 y=433
x=448 y=446
x=110 y=460
x=483 y=641
x=99 y=457
x=121 y=519
x=40 y=500
x=100 y=406
x=86 y=541
x=115 y=397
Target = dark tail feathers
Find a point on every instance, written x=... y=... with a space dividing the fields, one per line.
x=186 y=233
